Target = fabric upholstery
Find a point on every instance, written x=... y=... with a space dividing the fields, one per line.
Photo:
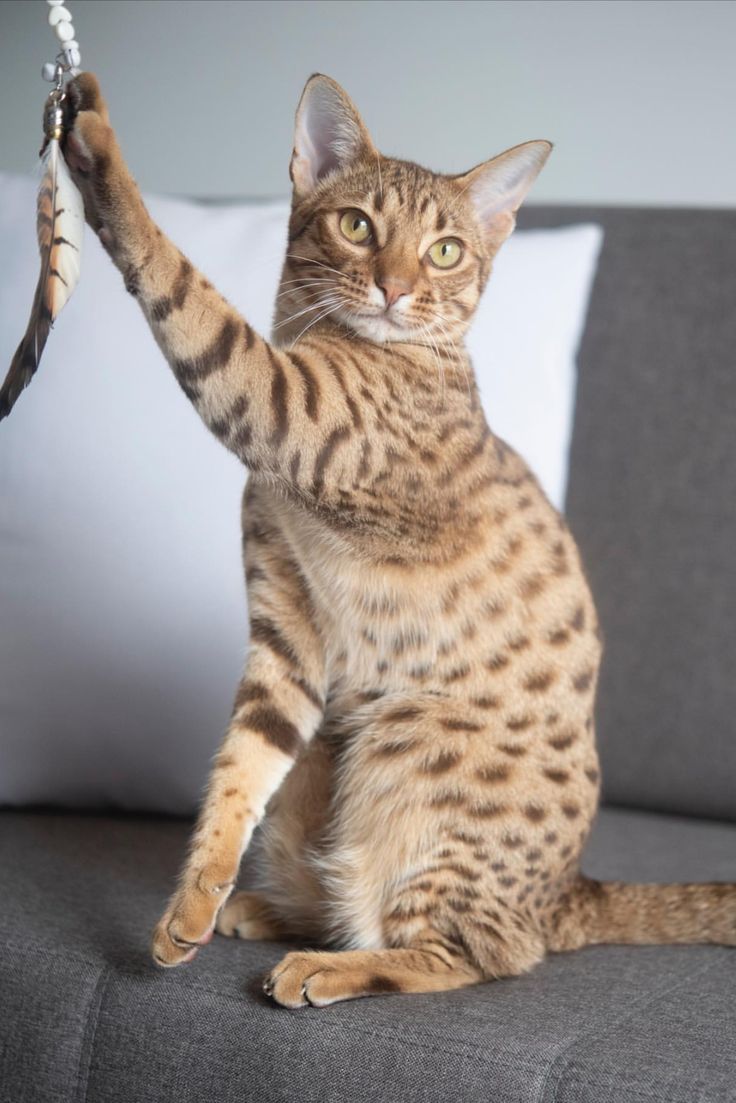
x=85 y=1016
x=651 y=501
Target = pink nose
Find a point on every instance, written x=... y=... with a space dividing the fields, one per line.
x=393 y=289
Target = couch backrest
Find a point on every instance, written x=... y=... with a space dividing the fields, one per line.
x=652 y=500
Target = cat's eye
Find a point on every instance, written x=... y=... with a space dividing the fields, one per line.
x=445 y=253
x=356 y=227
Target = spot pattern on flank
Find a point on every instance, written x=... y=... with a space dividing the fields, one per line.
x=514 y=750
x=394 y=748
x=497 y=662
x=493 y=775
x=539 y=682
x=447 y=798
x=486 y=702
x=487 y=811
x=445 y=761
x=582 y=682
x=578 y=619
x=535 y=813
x=559 y=777
x=519 y=723
x=451 y=724
x=562 y=741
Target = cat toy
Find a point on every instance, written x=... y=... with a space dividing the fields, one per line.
x=59 y=219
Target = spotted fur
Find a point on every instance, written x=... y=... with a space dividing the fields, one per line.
x=414 y=727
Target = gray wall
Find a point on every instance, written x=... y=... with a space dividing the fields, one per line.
x=638 y=95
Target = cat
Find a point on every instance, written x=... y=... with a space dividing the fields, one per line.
x=414 y=728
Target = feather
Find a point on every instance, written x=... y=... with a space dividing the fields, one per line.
x=60 y=228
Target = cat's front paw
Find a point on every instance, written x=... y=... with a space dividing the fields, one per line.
x=111 y=201
x=189 y=921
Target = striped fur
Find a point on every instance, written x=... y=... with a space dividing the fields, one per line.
x=414 y=727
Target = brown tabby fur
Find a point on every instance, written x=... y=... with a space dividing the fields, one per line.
x=414 y=727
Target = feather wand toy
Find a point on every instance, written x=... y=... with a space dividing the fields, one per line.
x=59 y=219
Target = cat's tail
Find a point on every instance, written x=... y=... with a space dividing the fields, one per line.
x=592 y=912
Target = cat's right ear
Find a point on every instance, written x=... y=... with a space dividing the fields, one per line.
x=329 y=134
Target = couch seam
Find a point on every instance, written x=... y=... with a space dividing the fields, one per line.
x=565 y=1057
x=86 y=1048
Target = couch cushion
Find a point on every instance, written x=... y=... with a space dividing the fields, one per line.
x=650 y=499
x=84 y=1015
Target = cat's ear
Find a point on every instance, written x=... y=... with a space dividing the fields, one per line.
x=498 y=187
x=329 y=133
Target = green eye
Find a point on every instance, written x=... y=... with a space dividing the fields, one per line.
x=445 y=253
x=356 y=227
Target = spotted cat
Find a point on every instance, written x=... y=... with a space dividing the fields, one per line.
x=414 y=727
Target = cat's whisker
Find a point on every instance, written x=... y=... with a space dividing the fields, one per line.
x=305 y=287
x=323 y=301
x=312 y=279
x=319 y=318
x=440 y=367
x=311 y=260
x=441 y=320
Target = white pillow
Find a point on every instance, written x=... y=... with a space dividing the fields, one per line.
x=123 y=622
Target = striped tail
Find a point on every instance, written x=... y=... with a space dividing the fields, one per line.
x=593 y=912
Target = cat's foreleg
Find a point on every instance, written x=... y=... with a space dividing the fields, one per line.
x=277 y=709
x=283 y=413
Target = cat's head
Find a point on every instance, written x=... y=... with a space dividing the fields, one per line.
x=388 y=249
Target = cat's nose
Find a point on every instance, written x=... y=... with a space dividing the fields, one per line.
x=393 y=288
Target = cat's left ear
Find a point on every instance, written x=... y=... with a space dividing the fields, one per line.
x=329 y=133
x=498 y=187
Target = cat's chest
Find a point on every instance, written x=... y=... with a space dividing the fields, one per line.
x=372 y=620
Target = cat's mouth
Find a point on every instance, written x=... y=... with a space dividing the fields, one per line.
x=382 y=317
x=378 y=326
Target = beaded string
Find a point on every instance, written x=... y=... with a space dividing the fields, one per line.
x=68 y=59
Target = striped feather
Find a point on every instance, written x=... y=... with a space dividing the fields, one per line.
x=60 y=228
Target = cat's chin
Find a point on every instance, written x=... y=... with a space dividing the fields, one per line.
x=378 y=328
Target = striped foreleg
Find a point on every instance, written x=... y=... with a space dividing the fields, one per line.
x=286 y=413
x=277 y=709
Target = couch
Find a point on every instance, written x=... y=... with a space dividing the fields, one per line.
x=85 y=1016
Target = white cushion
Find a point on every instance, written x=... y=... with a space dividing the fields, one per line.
x=123 y=622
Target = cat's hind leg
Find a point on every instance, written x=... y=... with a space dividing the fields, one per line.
x=420 y=865
x=248 y=915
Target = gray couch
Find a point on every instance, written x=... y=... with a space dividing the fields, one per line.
x=86 y=1017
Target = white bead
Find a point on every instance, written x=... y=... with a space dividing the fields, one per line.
x=73 y=45
x=59 y=14
x=49 y=72
x=54 y=3
x=64 y=32
x=72 y=57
